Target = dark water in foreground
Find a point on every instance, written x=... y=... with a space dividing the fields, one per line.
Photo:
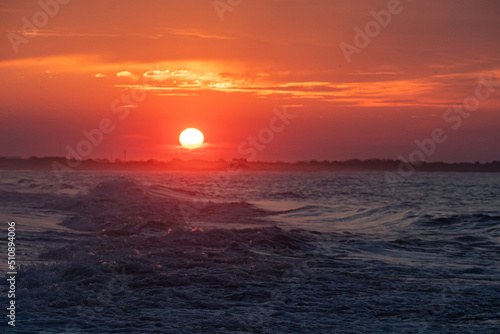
x=253 y=253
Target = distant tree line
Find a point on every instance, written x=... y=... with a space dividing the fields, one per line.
x=46 y=163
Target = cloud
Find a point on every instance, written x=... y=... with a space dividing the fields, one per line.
x=64 y=33
x=183 y=82
x=124 y=74
x=198 y=34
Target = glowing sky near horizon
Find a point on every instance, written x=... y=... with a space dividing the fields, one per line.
x=154 y=68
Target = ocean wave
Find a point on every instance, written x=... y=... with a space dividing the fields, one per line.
x=459 y=221
x=161 y=256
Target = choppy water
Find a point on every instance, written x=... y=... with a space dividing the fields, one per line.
x=254 y=253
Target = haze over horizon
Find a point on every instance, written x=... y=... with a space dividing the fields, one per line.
x=270 y=80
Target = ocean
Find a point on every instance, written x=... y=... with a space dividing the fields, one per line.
x=252 y=252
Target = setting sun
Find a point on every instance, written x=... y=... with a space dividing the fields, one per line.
x=191 y=138
x=266 y=166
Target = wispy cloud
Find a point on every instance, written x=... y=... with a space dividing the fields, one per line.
x=64 y=33
x=68 y=32
x=124 y=74
x=193 y=78
x=198 y=34
x=183 y=82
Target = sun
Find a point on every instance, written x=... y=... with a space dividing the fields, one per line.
x=191 y=138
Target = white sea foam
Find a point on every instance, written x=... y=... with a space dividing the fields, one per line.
x=315 y=253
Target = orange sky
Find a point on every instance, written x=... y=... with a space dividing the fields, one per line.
x=154 y=68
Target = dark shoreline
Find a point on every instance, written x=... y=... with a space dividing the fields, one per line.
x=236 y=165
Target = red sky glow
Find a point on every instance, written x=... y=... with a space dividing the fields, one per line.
x=154 y=68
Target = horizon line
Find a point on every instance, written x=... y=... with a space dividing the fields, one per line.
x=176 y=159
